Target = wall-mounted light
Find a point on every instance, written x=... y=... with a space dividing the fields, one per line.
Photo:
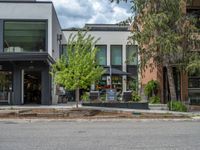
x=59 y=37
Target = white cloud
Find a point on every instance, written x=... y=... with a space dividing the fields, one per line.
x=75 y=13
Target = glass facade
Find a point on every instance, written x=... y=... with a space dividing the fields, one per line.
x=25 y=36
x=101 y=55
x=131 y=54
x=5 y=85
x=116 y=55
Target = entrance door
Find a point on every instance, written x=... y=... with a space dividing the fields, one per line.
x=32 y=87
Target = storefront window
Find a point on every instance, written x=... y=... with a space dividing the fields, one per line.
x=5 y=85
x=116 y=55
x=101 y=55
x=117 y=83
x=102 y=84
x=24 y=36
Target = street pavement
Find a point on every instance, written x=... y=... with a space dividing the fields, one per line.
x=99 y=135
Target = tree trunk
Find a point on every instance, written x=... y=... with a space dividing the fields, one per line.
x=77 y=97
x=171 y=83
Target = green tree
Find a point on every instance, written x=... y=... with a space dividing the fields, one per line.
x=165 y=34
x=77 y=69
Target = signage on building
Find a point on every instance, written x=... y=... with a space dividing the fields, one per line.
x=111 y=95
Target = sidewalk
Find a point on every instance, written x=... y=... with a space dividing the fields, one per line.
x=69 y=105
x=145 y=111
x=72 y=105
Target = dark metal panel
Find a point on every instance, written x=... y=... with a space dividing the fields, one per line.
x=26 y=57
x=46 y=87
x=24 y=1
x=1 y=36
x=17 y=86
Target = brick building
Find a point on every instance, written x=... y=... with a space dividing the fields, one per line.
x=187 y=86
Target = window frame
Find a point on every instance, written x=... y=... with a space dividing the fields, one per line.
x=105 y=53
x=111 y=54
x=28 y=20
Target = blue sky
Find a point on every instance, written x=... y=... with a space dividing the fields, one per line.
x=75 y=13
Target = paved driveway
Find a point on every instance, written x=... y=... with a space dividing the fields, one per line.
x=100 y=135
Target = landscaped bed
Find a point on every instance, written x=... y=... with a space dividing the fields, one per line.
x=82 y=114
x=129 y=105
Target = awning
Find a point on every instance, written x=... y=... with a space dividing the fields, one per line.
x=37 y=56
x=115 y=71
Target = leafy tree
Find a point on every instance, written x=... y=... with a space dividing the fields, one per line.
x=3 y=80
x=76 y=69
x=166 y=36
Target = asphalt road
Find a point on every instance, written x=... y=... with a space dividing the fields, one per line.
x=100 y=135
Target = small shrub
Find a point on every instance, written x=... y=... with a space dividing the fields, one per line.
x=154 y=100
x=85 y=97
x=134 y=85
x=177 y=106
x=103 y=98
x=135 y=97
x=151 y=87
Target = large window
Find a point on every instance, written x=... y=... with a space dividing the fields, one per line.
x=131 y=54
x=193 y=90
x=24 y=36
x=194 y=82
x=101 y=54
x=116 y=55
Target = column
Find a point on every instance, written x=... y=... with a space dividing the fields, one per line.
x=46 y=87
x=1 y=36
x=17 y=87
x=108 y=62
x=124 y=78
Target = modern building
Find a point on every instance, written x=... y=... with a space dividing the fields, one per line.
x=31 y=39
x=115 y=51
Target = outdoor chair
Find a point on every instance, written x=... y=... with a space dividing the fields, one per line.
x=94 y=95
x=127 y=96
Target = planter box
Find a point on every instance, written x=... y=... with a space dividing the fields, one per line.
x=139 y=105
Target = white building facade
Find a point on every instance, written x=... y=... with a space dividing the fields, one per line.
x=115 y=51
